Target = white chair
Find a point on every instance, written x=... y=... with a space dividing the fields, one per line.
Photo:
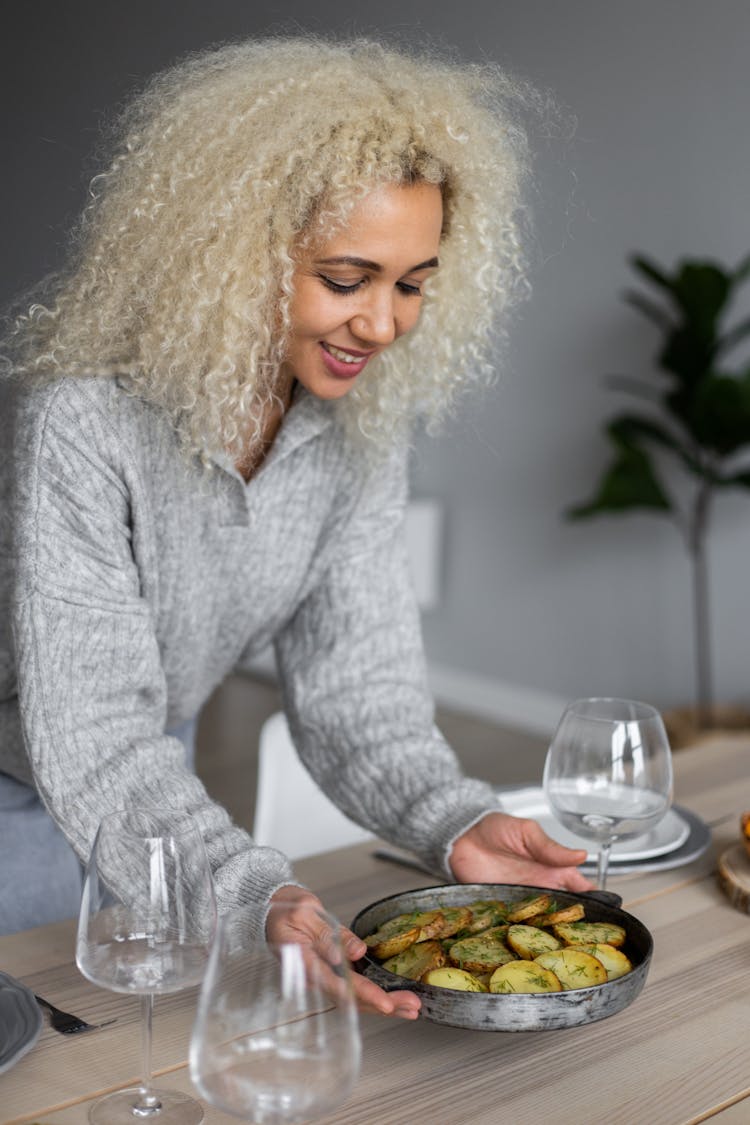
x=291 y=812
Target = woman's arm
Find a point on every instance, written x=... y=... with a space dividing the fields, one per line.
x=92 y=693
x=361 y=714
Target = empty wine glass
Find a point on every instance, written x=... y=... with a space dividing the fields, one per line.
x=276 y=1037
x=147 y=920
x=608 y=772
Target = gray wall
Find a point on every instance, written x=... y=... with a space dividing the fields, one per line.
x=660 y=162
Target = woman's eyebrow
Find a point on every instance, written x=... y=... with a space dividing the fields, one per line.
x=366 y=264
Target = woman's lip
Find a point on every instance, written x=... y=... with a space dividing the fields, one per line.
x=350 y=351
x=338 y=367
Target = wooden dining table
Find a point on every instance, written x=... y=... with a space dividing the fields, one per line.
x=680 y=1054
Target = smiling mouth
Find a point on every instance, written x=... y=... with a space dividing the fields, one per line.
x=341 y=363
x=346 y=356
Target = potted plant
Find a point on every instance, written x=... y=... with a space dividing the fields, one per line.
x=697 y=417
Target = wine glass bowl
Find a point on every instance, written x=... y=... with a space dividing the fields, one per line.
x=608 y=772
x=276 y=1037
x=145 y=927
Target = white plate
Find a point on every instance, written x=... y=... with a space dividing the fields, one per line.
x=670 y=833
x=698 y=841
x=20 y=1021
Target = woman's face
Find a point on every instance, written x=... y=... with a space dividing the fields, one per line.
x=358 y=290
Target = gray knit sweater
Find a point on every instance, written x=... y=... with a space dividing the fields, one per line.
x=132 y=582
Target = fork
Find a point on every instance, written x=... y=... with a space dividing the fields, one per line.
x=66 y=1023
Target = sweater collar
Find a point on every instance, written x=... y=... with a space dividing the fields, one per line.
x=306 y=418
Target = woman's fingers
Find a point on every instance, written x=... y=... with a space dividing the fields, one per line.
x=506 y=849
x=303 y=920
x=369 y=996
x=548 y=851
x=354 y=947
x=555 y=878
x=372 y=998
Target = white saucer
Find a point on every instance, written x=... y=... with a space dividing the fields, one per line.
x=670 y=833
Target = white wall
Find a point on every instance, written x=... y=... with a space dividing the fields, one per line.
x=660 y=163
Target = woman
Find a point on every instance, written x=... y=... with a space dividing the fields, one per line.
x=298 y=247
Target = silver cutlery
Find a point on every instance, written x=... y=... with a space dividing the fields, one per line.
x=65 y=1022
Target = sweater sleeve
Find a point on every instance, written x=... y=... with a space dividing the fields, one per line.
x=91 y=687
x=355 y=688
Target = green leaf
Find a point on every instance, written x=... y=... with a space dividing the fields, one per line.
x=654 y=312
x=701 y=290
x=734 y=335
x=687 y=354
x=627 y=429
x=721 y=408
x=737 y=480
x=699 y=414
x=651 y=271
x=629 y=482
x=630 y=430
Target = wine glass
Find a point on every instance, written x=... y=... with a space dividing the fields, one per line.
x=608 y=772
x=276 y=1037
x=147 y=919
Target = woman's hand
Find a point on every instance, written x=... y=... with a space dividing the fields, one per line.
x=303 y=923
x=509 y=849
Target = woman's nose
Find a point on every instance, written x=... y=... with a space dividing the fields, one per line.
x=375 y=321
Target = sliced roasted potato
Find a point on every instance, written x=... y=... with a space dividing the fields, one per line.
x=614 y=960
x=590 y=933
x=458 y=979
x=483 y=952
x=425 y=919
x=402 y=931
x=455 y=918
x=456 y=947
x=484 y=915
x=417 y=960
x=572 y=968
x=524 y=976
x=528 y=907
x=529 y=941
x=430 y=924
x=573 y=913
x=396 y=943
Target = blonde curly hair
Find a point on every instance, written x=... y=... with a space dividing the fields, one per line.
x=181 y=269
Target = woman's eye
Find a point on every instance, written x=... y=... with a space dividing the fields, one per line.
x=404 y=287
x=339 y=286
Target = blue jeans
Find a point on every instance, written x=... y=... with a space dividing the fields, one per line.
x=41 y=877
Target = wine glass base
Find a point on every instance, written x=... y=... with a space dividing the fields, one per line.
x=120 y=1108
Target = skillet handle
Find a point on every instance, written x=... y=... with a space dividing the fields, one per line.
x=607 y=898
x=367 y=969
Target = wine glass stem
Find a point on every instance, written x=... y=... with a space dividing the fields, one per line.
x=603 y=865
x=148 y=1102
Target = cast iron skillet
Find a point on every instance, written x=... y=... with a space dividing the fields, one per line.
x=480 y=1011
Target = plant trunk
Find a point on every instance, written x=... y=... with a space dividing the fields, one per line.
x=704 y=700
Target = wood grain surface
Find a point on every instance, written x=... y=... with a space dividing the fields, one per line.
x=734 y=876
x=677 y=1056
